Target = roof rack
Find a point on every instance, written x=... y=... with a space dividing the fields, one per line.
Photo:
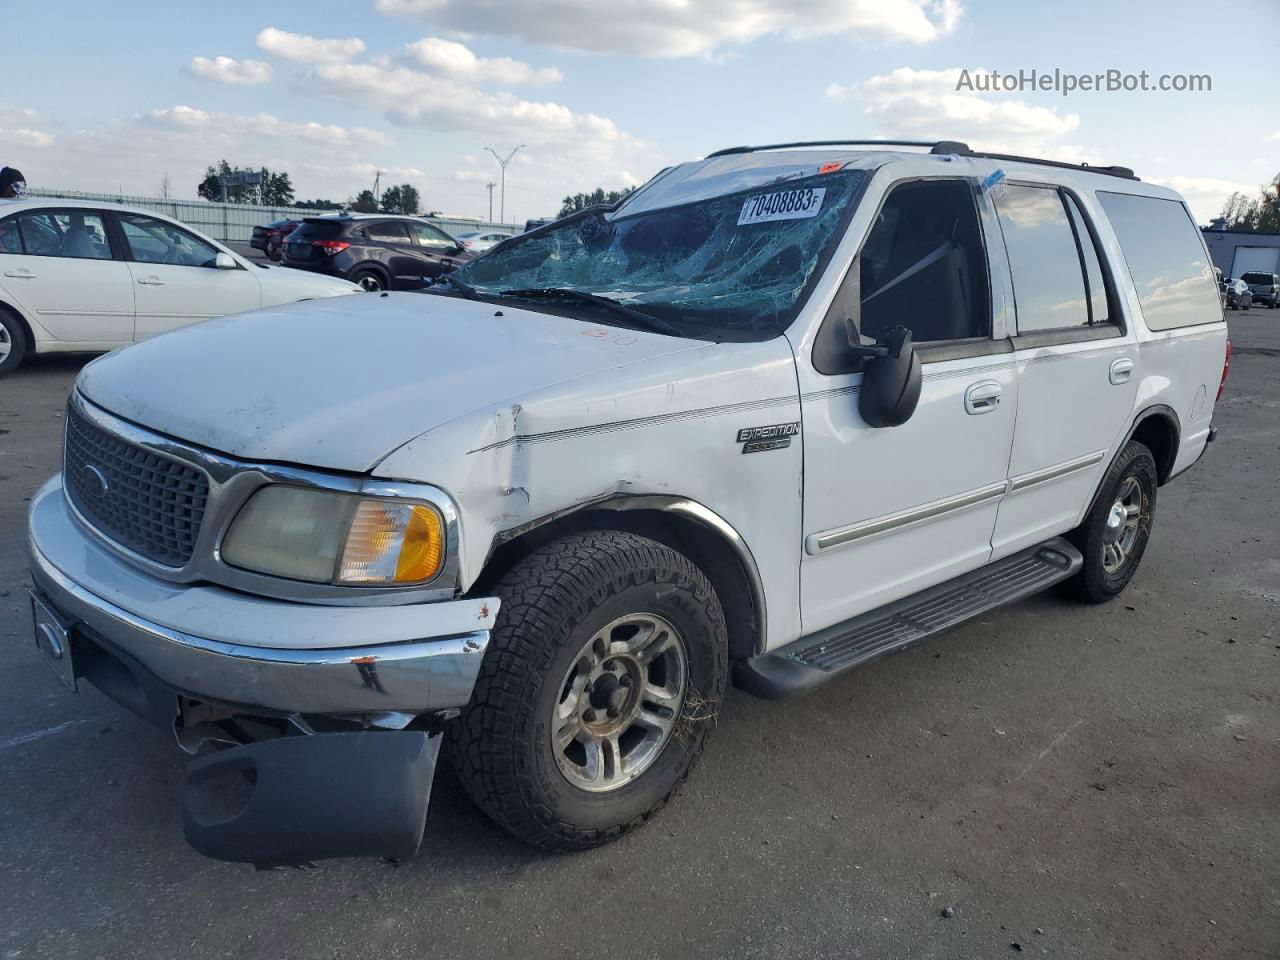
x=728 y=151
x=936 y=147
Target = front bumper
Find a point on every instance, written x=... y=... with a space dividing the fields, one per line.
x=212 y=644
x=178 y=653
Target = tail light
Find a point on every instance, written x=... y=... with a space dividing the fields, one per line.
x=1226 y=368
x=331 y=246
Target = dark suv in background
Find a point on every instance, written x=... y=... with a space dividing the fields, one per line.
x=377 y=251
x=1263 y=288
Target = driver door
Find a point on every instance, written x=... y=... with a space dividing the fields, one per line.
x=893 y=510
x=174 y=277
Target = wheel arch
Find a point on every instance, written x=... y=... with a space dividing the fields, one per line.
x=372 y=266
x=1158 y=428
x=685 y=525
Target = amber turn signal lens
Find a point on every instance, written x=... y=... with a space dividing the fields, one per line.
x=391 y=542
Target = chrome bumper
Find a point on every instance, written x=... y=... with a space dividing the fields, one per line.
x=211 y=644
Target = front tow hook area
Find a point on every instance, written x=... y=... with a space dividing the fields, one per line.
x=295 y=800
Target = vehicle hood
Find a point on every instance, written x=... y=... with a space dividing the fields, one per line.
x=286 y=285
x=340 y=383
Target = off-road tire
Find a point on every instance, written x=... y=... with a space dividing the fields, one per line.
x=1094 y=584
x=553 y=601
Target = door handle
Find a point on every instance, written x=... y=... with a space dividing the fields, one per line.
x=23 y=274
x=982 y=397
x=151 y=281
x=1121 y=370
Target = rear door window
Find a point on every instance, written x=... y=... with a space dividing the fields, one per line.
x=1099 y=306
x=65 y=233
x=1048 y=277
x=390 y=232
x=1166 y=258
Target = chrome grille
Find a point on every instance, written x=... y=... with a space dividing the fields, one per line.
x=148 y=503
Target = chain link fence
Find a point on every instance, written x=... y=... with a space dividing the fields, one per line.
x=234 y=222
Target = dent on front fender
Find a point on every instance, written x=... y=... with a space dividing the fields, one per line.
x=666 y=427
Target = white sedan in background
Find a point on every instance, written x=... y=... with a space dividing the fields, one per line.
x=478 y=241
x=78 y=276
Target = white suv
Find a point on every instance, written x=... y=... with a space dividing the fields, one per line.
x=87 y=277
x=781 y=411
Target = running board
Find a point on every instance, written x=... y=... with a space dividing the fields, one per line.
x=805 y=663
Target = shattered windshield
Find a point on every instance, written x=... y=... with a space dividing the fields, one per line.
x=735 y=266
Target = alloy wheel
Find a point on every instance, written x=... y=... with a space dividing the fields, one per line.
x=620 y=702
x=1124 y=522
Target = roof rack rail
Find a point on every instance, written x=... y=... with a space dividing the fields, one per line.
x=729 y=151
x=955 y=147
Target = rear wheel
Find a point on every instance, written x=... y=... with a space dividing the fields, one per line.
x=1115 y=532
x=369 y=280
x=13 y=342
x=603 y=676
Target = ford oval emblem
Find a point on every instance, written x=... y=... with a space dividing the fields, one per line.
x=95 y=480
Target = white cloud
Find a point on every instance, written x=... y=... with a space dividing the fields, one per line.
x=681 y=28
x=25 y=137
x=230 y=71
x=914 y=104
x=1205 y=195
x=305 y=49
x=566 y=151
x=223 y=125
x=17 y=127
x=456 y=60
x=413 y=98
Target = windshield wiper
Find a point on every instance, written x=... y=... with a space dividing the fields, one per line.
x=634 y=318
x=465 y=289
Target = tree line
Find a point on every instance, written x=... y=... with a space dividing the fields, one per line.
x=1258 y=214
x=580 y=201
x=276 y=190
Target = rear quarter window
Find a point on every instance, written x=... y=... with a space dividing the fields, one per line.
x=1166 y=258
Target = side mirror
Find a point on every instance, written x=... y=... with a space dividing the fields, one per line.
x=891 y=381
x=224 y=261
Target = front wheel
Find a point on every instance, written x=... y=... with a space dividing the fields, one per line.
x=603 y=677
x=1115 y=532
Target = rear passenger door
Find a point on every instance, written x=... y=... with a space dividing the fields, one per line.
x=62 y=268
x=1075 y=363
x=400 y=254
x=891 y=511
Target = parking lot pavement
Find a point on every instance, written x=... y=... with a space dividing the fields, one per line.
x=1081 y=782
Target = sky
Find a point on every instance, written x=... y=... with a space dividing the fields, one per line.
x=604 y=93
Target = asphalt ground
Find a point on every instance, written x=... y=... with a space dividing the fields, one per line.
x=1052 y=779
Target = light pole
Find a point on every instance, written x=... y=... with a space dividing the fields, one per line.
x=489 y=186
x=502 y=202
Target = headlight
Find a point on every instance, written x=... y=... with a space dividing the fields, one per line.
x=329 y=537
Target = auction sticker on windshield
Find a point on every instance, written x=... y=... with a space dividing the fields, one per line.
x=782 y=205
